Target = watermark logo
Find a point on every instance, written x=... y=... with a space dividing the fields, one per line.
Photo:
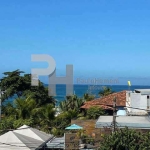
x=96 y=84
x=97 y=81
x=51 y=73
x=68 y=80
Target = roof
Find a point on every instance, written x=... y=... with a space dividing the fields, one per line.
x=87 y=106
x=56 y=143
x=15 y=141
x=24 y=138
x=139 y=122
x=88 y=147
x=59 y=143
x=107 y=101
x=143 y=91
x=74 y=127
x=36 y=134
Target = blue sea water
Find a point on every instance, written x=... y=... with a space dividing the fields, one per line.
x=80 y=90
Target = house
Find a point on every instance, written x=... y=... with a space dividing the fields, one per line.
x=135 y=102
x=139 y=99
x=106 y=102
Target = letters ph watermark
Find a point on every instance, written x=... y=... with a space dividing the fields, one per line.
x=51 y=73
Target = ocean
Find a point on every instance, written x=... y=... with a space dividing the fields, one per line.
x=80 y=90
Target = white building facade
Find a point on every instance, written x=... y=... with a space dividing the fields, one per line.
x=139 y=99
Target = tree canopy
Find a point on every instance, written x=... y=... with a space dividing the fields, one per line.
x=126 y=139
x=33 y=106
x=18 y=84
x=105 y=91
x=94 y=112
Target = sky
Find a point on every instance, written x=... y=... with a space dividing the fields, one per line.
x=100 y=38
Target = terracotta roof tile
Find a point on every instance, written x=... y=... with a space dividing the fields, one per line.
x=86 y=106
x=108 y=100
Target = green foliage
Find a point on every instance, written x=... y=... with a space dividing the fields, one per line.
x=125 y=139
x=86 y=139
x=21 y=122
x=105 y=91
x=26 y=112
x=13 y=84
x=34 y=107
x=45 y=117
x=88 y=97
x=7 y=123
x=24 y=107
x=39 y=94
x=71 y=103
x=94 y=112
x=16 y=84
x=57 y=132
x=8 y=109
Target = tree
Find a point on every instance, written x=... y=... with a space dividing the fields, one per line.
x=25 y=111
x=45 y=116
x=14 y=84
x=94 y=112
x=8 y=110
x=62 y=121
x=71 y=103
x=88 y=97
x=21 y=112
x=123 y=139
x=32 y=105
x=24 y=107
x=105 y=91
x=145 y=144
x=40 y=95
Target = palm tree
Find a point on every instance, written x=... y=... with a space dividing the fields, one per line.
x=24 y=107
x=8 y=109
x=45 y=116
x=88 y=97
x=106 y=91
x=71 y=103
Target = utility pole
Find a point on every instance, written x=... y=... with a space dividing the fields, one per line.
x=114 y=115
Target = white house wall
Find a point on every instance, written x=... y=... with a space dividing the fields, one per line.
x=138 y=101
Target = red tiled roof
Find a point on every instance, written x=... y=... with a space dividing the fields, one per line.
x=108 y=100
x=86 y=106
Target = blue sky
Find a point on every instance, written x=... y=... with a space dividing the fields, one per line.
x=101 y=38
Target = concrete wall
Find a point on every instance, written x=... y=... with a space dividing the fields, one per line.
x=148 y=102
x=71 y=141
x=137 y=100
x=89 y=127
